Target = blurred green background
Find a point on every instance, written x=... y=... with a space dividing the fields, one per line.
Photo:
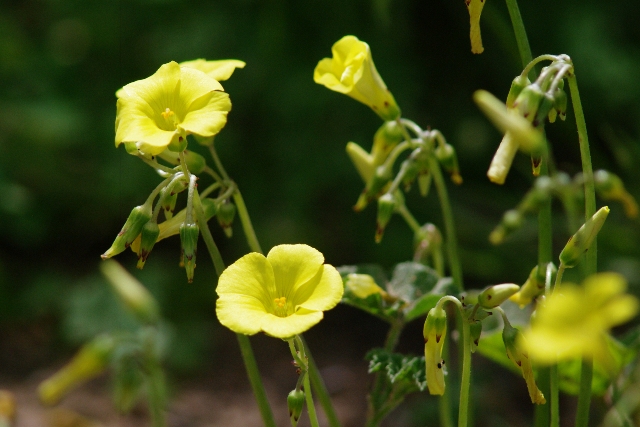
x=65 y=190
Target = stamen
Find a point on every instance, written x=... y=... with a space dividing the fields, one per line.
x=167 y=113
x=280 y=302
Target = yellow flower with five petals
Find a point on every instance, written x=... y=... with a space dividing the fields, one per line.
x=160 y=111
x=282 y=294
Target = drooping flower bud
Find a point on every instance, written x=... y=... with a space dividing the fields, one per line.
x=189 y=233
x=610 y=187
x=195 y=162
x=580 y=242
x=495 y=295
x=475 y=331
x=386 y=207
x=384 y=140
x=513 y=342
x=148 y=239
x=560 y=103
x=532 y=288
x=374 y=186
x=528 y=101
x=446 y=154
x=544 y=107
x=226 y=214
x=362 y=160
x=517 y=85
x=131 y=292
x=295 y=403
x=89 y=362
x=138 y=217
x=435 y=331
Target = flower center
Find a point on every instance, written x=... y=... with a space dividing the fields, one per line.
x=281 y=306
x=170 y=117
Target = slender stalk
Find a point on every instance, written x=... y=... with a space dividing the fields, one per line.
x=449 y=224
x=313 y=418
x=216 y=160
x=520 y=32
x=321 y=390
x=554 y=398
x=408 y=218
x=465 y=379
x=243 y=213
x=256 y=382
x=214 y=252
x=444 y=402
x=591 y=261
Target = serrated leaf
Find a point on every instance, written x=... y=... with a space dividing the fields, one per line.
x=407 y=372
x=411 y=280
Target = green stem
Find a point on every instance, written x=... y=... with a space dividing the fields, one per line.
x=243 y=213
x=256 y=382
x=591 y=261
x=313 y=418
x=520 y=32
x=216 y=160
x=444 y=402
x=408 y=218
x=449 y=225
x=214 y=252
x=320 y=390
x=465 y=379
x=554 y=398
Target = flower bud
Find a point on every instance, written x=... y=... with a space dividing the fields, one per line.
x=384 y=140
x=495 y=295
x=195 y=162
x=148 y=238
x=560 y=103
x=424 y=183
x=138 y=217
x=374 y=186
x=610 y=187
x=475 y=9
x=446 y=154
x=131 y=292
x=532 y=288
x=411 y=171
x=295 y=403
x=528 y=101
x=226 y=215
x=544 y=107
x=517 y=85
x=511 y=221
x=514 y=343
x=189 y=233
x=435 y=331
x=581 y=241
x=362 y=160
x=363 y=285
x=386 y=207
x=168 y=203
x=475 y=330
x=89 y=362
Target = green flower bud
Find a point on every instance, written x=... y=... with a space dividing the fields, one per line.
x=544 y=107
x=610 y=187
x=138 y=217
x=226 y=214
x=424 y=183
x=475 y=330
x=131 y=292
x=427 y=242
x=295 y=403
x=532 y=288
x=560 y=103
x=514 y=343
x=446 y=154
x=495 y=295
x=177 y=144
x=435 y=331
x=195 y=162
x=89 y=362
x=376 y=184
x=470 y=297
x=411 y=171
x=168 y=201
x=386 y=137
x=581 y=241
x=362 y=160
x=148 y=238
x=517 y=85
x=528 y=101
x=511 y=221
x=189 y=239
x=386 y=207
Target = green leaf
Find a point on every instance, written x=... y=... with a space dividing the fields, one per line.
x=405 y=372
x=426 y=302
x=411 y=280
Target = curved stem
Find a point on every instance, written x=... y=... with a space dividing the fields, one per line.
x=408 y=218
x=311 y=409
x=243 y=213
x=216 y=160
x=449 y=225
x=214 y=252
x=520 y=32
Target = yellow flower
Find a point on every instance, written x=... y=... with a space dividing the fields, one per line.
x=282 y=294
x=351 y=71
x=219 y=70
x=574 y=320
x=160 y=111
x=435 y=332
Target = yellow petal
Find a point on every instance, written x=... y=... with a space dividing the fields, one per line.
x=208 y=115
x=242 y=314
x=475 y=9
x=286 y=327
x=251 y=276
x=293 y=266
x=324 y=295
x=220 y=70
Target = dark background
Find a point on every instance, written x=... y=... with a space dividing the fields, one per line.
x=65 y=190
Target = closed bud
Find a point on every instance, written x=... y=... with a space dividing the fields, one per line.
x=475 y=331
x=560 y=103
x=386 y=207
x=528 y=101
x=168 y=203
x=517 y=85
x=532 y=288
x=131 y=292
x=375 y=185
x=189 y=233
x=581 y=241
x=195 y=162
x=435 y=331
x=411 y=171
x=363 y=285
x=138 y=217
x=386 y=137
x=92 y=359
x=424 y=183
x=495 y=295
x=610 y=187
x=544 y=107
x=295 y=403
x=226 y=215
x=514 y=344
x=362 y=160
x=511 y=221
x=148 y=238
x=446 y=154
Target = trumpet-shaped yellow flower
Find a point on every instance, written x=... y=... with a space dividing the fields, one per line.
x=160 y=111
x=282 y=294
x=435 y=331
x=351 y=71
x=219 y=70
x=574 y=319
